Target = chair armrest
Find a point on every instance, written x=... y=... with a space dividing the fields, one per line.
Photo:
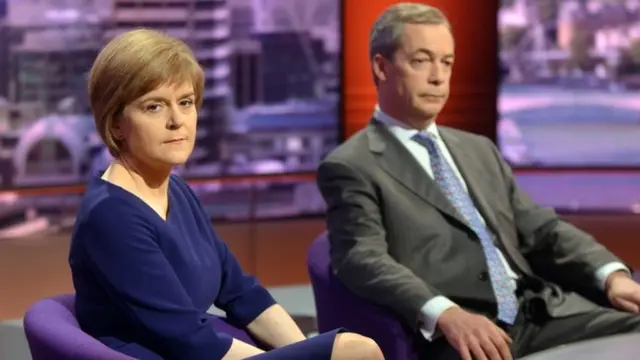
x=338 y=307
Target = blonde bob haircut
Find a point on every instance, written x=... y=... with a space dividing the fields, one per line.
x=130 y=66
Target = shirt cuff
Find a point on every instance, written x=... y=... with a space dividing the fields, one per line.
x=429 y=314
x=602 y=274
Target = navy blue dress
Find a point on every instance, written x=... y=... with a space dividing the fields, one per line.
x=143 y=284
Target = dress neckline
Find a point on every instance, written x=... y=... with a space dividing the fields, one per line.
x=126 y=194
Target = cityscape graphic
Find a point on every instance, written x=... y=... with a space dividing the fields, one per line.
x=271 y=99
x=571 y=79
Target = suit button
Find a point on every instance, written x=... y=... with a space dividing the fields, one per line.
x=483 y=276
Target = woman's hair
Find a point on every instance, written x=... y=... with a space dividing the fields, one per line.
x=131 y=65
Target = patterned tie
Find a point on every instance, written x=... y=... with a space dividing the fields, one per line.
x=459 y=197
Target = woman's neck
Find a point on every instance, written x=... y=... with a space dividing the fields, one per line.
x=149 y=184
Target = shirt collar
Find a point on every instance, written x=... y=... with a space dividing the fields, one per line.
x=402 y=130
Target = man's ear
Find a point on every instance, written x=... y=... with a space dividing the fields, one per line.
x=380 y=68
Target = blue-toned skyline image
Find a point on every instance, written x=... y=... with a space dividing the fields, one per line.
x=271 y=101
x=571 y=79
x=260 y=107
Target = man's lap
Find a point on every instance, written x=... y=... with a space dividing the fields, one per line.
x=532 y=337
x=529 y=337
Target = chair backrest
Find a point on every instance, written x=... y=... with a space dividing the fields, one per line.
x=338 y=307
x=54 y=334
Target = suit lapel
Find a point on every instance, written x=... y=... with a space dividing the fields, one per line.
x=477 y=180
x=398 y=162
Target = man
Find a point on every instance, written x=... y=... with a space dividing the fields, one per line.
x=429 y=221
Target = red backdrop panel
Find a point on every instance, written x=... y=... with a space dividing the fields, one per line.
x=472 y=105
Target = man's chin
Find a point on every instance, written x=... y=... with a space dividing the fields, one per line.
x=428 y=112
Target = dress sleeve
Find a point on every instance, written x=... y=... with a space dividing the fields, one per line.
x=241 y=295
x=121 y=246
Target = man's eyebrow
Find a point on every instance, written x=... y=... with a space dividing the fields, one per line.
x=432 y=53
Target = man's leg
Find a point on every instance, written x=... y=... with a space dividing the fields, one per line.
x=531 y=337
x=439 y=349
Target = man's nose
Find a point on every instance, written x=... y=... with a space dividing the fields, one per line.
x=436 y=75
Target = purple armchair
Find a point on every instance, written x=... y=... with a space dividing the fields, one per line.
x=338 y=307
x=54 y=334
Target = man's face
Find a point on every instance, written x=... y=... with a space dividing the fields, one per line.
x=418 y=74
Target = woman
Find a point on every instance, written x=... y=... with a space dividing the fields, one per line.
x=145 y=260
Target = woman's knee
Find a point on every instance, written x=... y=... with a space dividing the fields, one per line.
x=354 y=346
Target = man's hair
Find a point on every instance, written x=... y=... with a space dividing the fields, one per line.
x=131 y=65
x=386 y=33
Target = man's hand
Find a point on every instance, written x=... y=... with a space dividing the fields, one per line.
x=623 y=292
x=474 y=336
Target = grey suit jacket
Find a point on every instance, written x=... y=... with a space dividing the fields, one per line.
x=398 y=241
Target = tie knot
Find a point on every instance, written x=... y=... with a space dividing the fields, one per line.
x=426 y=139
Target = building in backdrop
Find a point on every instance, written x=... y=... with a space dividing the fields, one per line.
x=271 y=98
x=569 y=97
x=573 y=78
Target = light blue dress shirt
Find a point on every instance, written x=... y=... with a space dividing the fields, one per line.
x=432 y=310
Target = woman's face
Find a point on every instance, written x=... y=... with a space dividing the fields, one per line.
x=159 y=128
